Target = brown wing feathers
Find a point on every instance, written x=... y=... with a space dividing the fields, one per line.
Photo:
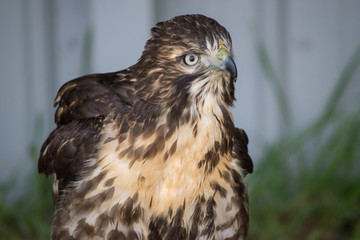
x=240 y=150
x=92 y=96
x=66 y=149
x=83 y=104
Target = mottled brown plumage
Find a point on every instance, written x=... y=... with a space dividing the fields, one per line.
x=151 y=152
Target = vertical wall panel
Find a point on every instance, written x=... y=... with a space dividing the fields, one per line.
x=39 y=63
x=13 y=89
x=71 y=23
x=314 y=56
x=120 y=30
x=349 y=40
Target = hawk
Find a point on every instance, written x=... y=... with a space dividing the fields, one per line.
x=151 y=152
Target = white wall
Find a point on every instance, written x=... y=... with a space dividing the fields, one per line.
x=45 y=43
x=13 y=90
x=120 y=30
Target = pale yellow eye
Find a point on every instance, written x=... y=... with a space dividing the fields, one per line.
x=191 y=59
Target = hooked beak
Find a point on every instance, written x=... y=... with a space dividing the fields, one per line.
x=230 y=66
x=227 y=62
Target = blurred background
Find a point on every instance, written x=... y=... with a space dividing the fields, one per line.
x=298 y=95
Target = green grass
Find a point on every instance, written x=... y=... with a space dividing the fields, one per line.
x=309 y=194
x=307 y=185
x=27 y=214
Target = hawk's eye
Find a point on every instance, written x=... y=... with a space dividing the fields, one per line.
x=191 y=59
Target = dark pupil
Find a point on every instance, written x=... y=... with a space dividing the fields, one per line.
x=192 y=58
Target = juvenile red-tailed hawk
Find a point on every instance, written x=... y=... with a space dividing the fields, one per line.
x=151 y=152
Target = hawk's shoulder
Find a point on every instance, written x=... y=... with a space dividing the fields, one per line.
x=82 y=107
x=94 y=95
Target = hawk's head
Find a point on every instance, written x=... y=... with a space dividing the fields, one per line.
x=188 y=58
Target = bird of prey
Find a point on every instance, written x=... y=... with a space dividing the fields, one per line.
x=151 y=152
